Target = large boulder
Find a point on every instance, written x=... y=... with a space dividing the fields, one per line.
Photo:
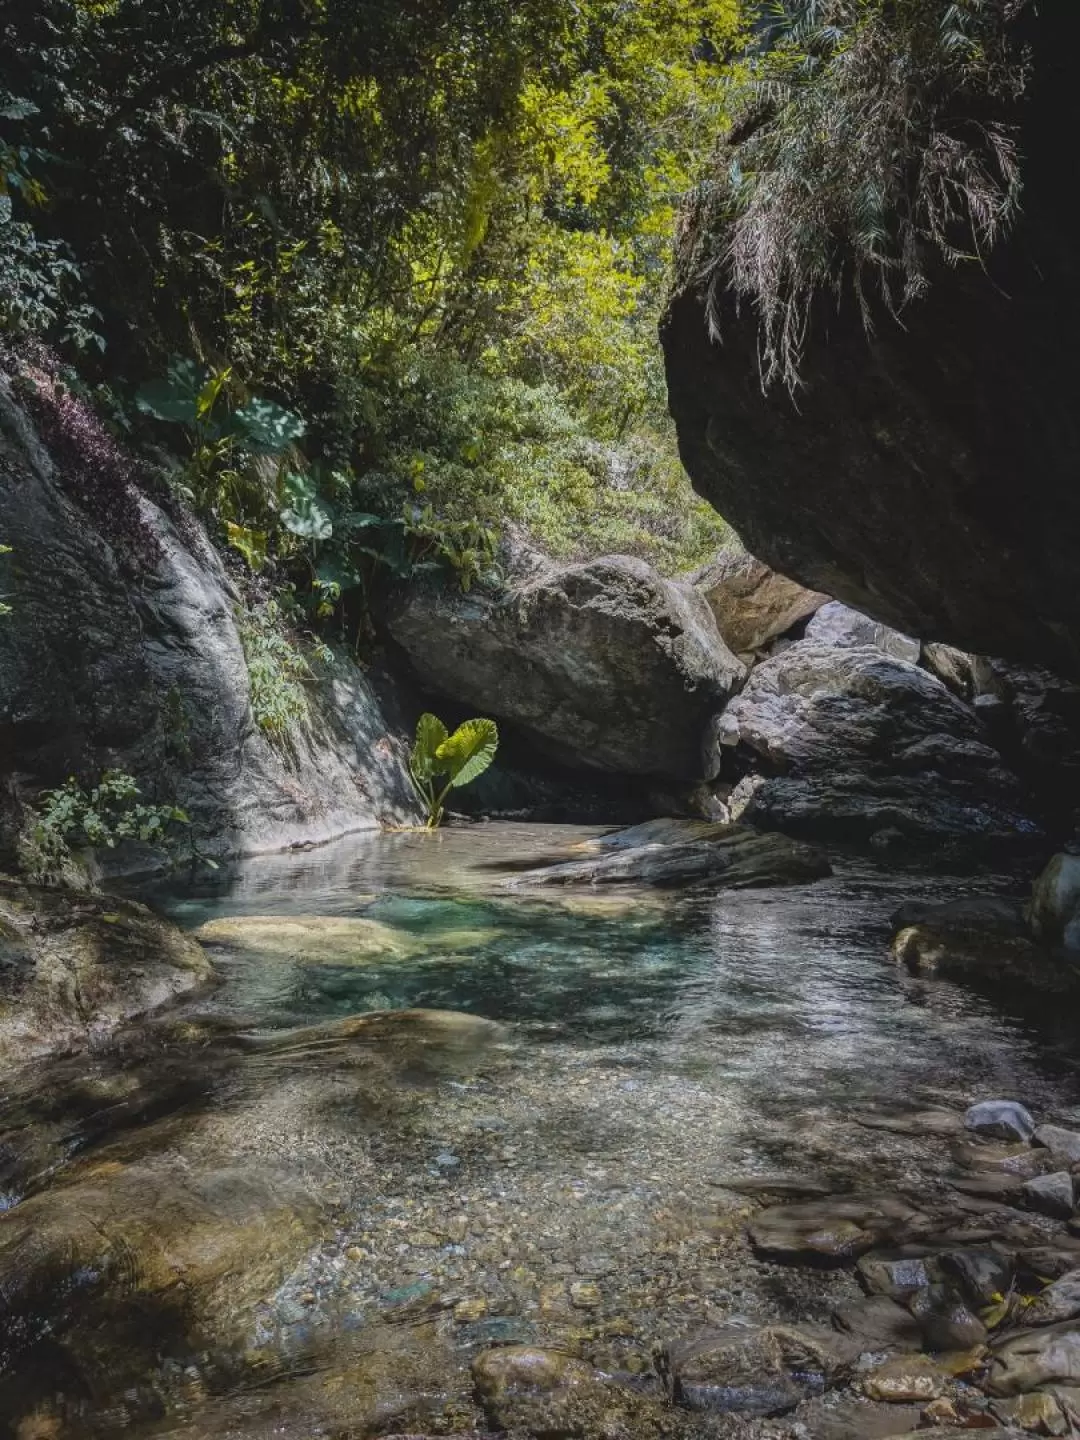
x=74 y=966
x=751 y=603
x=124 y=648
x=836 y=624
x=924 y=473
x=605 y=664
x=848 y=742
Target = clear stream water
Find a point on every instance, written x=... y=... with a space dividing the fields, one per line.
x=310 y=1230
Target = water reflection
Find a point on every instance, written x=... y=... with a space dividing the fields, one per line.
x=430 y=1184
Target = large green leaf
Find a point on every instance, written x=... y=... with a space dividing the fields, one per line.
x=265 y=427
x=469 y=751
x=430 y=736
x=304 y=513
x=176 y=397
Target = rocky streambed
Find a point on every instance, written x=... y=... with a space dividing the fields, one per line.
x=445 y=1150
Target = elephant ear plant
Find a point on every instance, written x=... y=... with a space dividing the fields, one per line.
x=441 y=762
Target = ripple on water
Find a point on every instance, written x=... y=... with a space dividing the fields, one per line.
x=563 y=1186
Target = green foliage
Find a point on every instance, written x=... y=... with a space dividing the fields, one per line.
x=861 y=159
x=440 y=762
x=346 y=204
x=278 y=674
x=73 y=817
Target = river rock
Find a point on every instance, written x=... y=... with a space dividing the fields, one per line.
x=839 y=625
x=896 y=1277
x=524 y=1368
x=1058 y=1302
x=605 y=664
x=1000 y=1120
x=848 y=743
x=208 y=1243
x=310 y=939
x=1055 y=903
x=832 y=1232
x=852 y=1417
x=1051 y=1194
x=984 y=1275
x=966 y=675
x=1045 y=1263
x=984 y=1156
x=968 y=952
x=945 y=1319
x=764 y=1371
x=736 y=857
x=1035 y=1358
x=73 y=966
x=878 y=1323
x=905 y=1380
x=751 y=603
x=1035 y=1414
x=1064 y=1145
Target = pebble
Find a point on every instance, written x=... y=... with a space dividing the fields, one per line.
x=905 y=1380
x=466 y=1311
x=585 y=1295
x=1000 y=1120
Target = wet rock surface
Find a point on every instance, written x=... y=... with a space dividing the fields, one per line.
x=74 y=966
x=689 y=853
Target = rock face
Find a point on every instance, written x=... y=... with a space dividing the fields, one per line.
x=141 y=667
x=836 y=624
x=724 y=856
x=605 y=665
x=849 y=742
x=751 y=603
x=73 y=967
x=893 y=483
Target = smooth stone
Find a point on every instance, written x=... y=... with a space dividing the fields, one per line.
x=985 y=1276
x=1051 y=1195
x=526 y=1368
x=1036 y=1414
x=1000 y=1120
x=853 y=1418
x=878 y=1323
x=1054 y=910
x=954 y=951
x=896 y=1278
x=310 y=939
x=1063 y=1144
x=832 y=1232
x=1035 y=1358
x=999 y=1185
x=945 y=1319
x=735 y=857
x=985 y=1156
x=748 y=1371
x=1046 y=1263
x=905 y=1380
x=1060 y=1301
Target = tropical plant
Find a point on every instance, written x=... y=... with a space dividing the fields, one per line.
x=278 y=674
x=440 y=762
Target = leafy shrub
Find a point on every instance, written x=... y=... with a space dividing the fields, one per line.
x=871 y=143
x=72 y=817
x=278 y=674
x=440 y=762
x=98 y=474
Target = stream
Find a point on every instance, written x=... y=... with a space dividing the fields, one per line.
x=256 y=1214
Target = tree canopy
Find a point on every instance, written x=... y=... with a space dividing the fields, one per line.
x=436 y=230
